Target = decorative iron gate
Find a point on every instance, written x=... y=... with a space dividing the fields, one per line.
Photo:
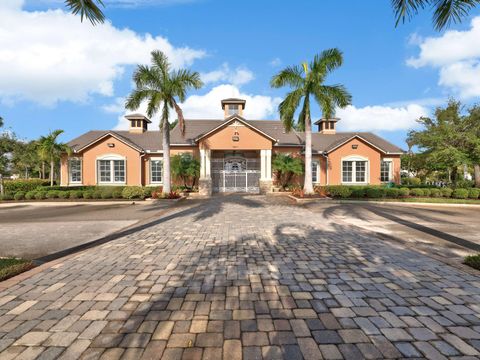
x=235 y=174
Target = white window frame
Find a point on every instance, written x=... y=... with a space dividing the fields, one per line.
x=150 y=170
x=70 y=181
x=317 y=165
x=354 y=160
x=232 y=111
x=390 y=170
x=111 y=158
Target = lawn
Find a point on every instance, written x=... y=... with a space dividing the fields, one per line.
x=11 y=266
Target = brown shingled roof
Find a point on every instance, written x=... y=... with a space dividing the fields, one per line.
x=151 y=141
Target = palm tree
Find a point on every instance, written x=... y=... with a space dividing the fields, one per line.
x=307 y=81
x=50 y=150
x=89 y=9
x=161 y=87
x=1 y=121
x=444 y=11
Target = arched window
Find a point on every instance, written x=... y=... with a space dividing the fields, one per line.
x=355 y=170
x=111 y=169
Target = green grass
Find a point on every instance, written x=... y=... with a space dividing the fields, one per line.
x=11 y=266
x=473 y=261
x=426 y=200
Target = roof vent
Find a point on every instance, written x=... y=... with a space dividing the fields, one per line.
x=327 y=126
x=138 y=123
x=233 y=106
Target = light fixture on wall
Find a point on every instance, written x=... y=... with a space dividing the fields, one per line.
x=355 y=146
x=111 y=145
x=236 y=136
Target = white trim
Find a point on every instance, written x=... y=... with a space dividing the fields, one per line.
x=228 y=121
x=139 y=149
x=354 y=159
x=369 y=143
x=111 y=158
x=150 y=182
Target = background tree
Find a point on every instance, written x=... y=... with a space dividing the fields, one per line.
x=187 y=168
x=285 y=167
x=25 y=159
x=307 y=82
x=444 y=11
x=472 y=137
x=161 y=87
x=89 y=9
x=49 y=148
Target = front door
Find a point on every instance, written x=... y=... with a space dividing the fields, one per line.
x=235 y=174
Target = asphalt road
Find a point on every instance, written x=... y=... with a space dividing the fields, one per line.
x=34 y=231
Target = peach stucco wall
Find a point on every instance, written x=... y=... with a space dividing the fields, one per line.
x=248 y=140
x=363 y=150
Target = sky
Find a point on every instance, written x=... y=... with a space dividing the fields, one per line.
x=59 y=73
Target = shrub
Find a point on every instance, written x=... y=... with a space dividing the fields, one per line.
x=25 y=185
x=147 y=191
x=76 y=194
x=435 y=193
x=446 y=192
x=473 y=261
x=404 y=192
x=6 y=197
x=185 y=167
x=375 y=192
x=40 y=195
x=117 y=193
x=416 y=192
x=286 y=167
x=339 y=191
x=464 y=184
x=133 y=192
x=30 y=195
x=88 y=194
x=358 y=192
x=172 y=195
x=426 y=192
x=411 y=181
x=473 y=193
x=63 y=194
x=52 y=194
x=460 y=193
x=97 y=194
x=392 y=192
x=106 y=195
x=20 y=195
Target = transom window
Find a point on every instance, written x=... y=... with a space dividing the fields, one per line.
x=385 y=171
x=75 y=170
x=232 y=109
x=156 y=171
x=354 y=171
x=315 y=177
x=111 y=171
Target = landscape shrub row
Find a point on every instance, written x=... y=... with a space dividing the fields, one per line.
x=113 y=192
x=375 y=192
x=14 y=186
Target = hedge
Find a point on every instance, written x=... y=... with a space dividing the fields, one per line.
x=25 y=185
x=460 y=193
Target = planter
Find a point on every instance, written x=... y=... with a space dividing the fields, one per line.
x=309 y=199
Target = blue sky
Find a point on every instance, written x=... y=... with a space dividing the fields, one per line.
x=59 y=73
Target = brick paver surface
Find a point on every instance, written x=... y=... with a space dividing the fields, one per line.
x=243 y=277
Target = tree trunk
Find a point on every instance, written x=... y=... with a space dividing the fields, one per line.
x=453 y=175
x=52 y=169
x=476 y=174
x=166 y=157
x=43 y=170
x=308 y=185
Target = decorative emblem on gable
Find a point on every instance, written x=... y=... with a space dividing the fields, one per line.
x=236 y=123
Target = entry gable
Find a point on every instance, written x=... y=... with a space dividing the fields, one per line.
x=231 y=121
x=337 y=145
x=114 y=135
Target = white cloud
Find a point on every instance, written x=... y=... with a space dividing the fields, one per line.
x=237 y=76
x=380 y=118
x=208 y=106
x=456 y=54
x=50 y=56
x=275 y=62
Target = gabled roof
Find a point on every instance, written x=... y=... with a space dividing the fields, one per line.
x=231 y=119
x=329 y=142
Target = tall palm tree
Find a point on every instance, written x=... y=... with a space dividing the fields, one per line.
x=306 y=82
x=444 y=11
x=50 y=150
x=161 y=87
x=89 y=9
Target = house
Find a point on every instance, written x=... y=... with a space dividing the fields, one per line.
x=235 y=153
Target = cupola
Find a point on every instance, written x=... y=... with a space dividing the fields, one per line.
x=327 y=126
x=233 y=106
x=138 y=123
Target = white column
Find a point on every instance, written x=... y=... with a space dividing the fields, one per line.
x=268 y=160
x=208 y=165
x=263 y=170
x=205 y=163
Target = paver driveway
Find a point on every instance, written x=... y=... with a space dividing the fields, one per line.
x=239 y=276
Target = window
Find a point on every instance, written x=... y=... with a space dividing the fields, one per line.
x=354 y=171
x=232 y=109
x=385 y=171
x=315 y=177
x=111 y=171
x=75 y=170
x=156 y=168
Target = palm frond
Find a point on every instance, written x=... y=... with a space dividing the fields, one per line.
x=330 y=97
x=182 y=80
x=448 y=11
x=288 y=106
x=135 y=99
x=160 y=60
x=180 y=118
x=89 y=9
x=292 y=76
x=406 y=9
x=325 y=62
x=304 y=115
